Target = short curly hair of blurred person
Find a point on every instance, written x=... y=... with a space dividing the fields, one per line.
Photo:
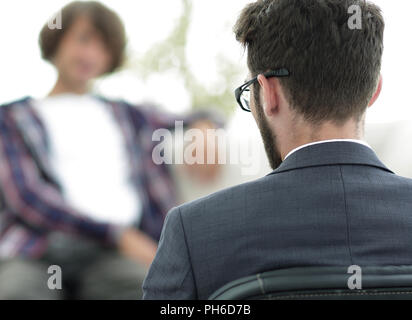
x=104 y=20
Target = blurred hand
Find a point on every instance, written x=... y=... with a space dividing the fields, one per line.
x=205 y=173
x=137 y=246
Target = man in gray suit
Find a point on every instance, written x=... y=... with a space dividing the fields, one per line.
x=330 y=200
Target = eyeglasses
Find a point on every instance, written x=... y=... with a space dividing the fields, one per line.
x=243 y=92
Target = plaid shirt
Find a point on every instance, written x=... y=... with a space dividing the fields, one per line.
x=32 y=204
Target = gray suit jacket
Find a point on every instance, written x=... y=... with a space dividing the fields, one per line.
x=327 y=204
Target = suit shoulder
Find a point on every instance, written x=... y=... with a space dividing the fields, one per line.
x=405 y=181
x=227 y=197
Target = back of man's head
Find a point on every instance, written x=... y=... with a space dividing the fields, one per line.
x=334 y=58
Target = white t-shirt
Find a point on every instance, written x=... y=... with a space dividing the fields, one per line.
x=89 y=157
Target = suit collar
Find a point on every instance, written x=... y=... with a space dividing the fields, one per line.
x=332 y=153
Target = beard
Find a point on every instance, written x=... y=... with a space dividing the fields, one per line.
x=268 y=136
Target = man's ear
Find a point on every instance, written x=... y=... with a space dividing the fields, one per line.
x=377 y=92
x=270 y=102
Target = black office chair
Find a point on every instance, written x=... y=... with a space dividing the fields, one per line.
x=321 y=283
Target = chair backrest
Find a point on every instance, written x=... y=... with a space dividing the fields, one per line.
x=322 y=283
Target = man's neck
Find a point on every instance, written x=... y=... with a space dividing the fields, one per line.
x=62 y=87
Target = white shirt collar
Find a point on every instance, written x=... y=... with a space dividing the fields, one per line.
x=326 y=141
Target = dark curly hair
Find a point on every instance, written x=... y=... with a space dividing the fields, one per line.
x=106 y=21
x=334 y=69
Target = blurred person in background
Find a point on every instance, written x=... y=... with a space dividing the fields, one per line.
x=78 y=185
